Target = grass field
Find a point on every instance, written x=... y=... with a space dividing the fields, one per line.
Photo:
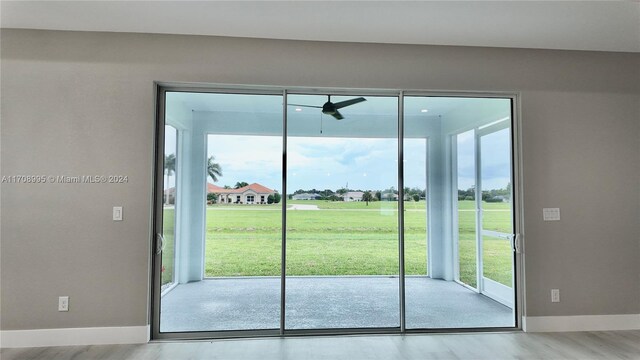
x=497 y=264
x=342 y=238
x=168 y=227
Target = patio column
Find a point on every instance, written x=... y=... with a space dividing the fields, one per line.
x=193 y=240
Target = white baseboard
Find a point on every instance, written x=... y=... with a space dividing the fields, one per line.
x=74 y=336
x=581 y=323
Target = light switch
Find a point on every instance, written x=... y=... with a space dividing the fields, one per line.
x=117 y=213
x=551 y=214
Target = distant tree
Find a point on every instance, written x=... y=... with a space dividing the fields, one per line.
x=213 y=169
x=407 y=193
x=276 y=198
x=170 y=169
x=270 y=199
x=367 y=196
x=211 y=197
x=469 y=194
x=391 y=190
x=227 y=187
x=240 y=184
x=416 y=197
x=417 y=191
x=378 y=195
x=342 y=191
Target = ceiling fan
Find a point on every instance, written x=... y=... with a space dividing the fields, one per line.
x=330 y=108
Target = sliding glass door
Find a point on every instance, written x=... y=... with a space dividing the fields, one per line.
x=496 y=212
x=284 y=212
x=230 y=223
x=483 y=218
x=464 y=172
x=342 y=218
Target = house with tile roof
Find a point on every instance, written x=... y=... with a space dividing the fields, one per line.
x=251 y=194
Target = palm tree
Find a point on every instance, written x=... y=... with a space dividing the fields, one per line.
x=169 y=168
x=367 y=196
x=240 y=184
x=213 y=169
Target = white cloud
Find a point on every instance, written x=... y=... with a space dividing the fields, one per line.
x=331 y=163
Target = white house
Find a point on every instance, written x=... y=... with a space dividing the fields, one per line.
x=250 y=194
x=353 y=196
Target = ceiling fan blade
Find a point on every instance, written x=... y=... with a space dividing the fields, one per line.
x=309 y=106
x=342 y=104
x=337 y=115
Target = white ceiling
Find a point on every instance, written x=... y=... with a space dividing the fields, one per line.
x=375 y=105
x=224 y=113
x=572 y=25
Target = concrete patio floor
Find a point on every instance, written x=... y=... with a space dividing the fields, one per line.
x=326 y=302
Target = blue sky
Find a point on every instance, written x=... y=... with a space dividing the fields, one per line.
x=332 y=163
x=313 y=162
x=495 y=160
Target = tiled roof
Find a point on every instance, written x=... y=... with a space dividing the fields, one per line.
x=255 y=187
x=211 y=188
x=218 y=190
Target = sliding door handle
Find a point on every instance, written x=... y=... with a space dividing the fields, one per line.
x=517 y=243
x=159 y=244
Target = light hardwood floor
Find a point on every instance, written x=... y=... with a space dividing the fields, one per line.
x=577 y=345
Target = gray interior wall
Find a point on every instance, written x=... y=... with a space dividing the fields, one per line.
x=82 y=104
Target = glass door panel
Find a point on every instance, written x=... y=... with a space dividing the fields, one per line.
x=465 y=262
x=230 y=254
x=170 y=196
x=419 y=128
x=342 y=220
x=497 y=217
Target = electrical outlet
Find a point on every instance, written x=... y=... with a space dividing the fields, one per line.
x=117 y=213
x=63 y=303
x=555 y=295
x=551 y=214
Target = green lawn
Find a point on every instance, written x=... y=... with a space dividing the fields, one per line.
x=339 y=239
x=168 y=231
x=497 y=252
